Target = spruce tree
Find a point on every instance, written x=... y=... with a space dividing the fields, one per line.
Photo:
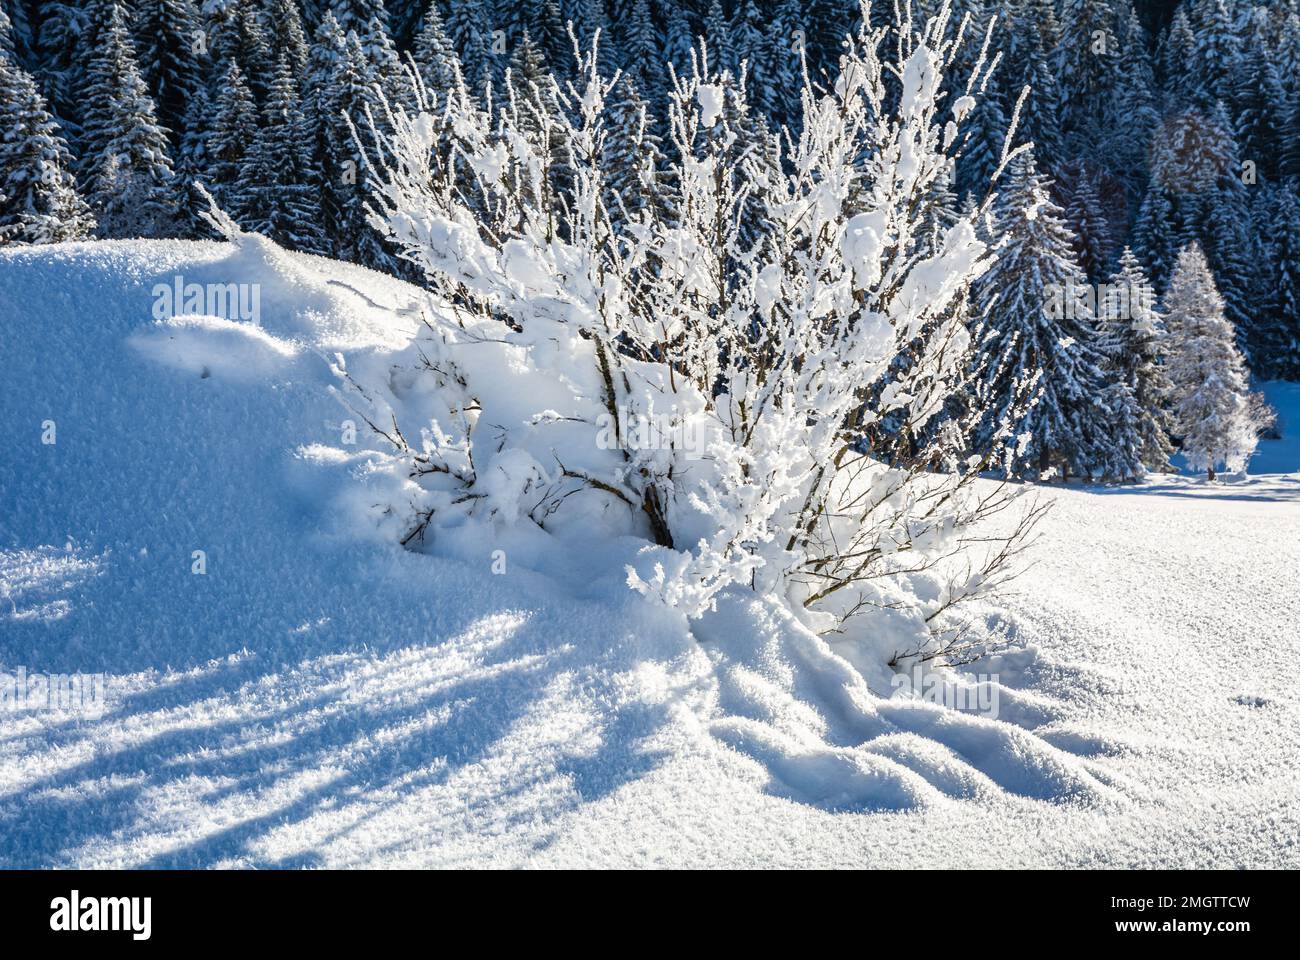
x=717 y=34
x=1089 y=53
x=435 y=57
x=1135 y=118
x=386 y=68
x=275 y=195
x=1037 y=324
x=1215 y=54
x=1176 y=58
x=550 y=32
x=354 y=16
x=8 y=42
x=1131 y=338
x=405 y=18
x=467 y=26
x=192 y=162
x=747 y=40
x=127 y=156
x=679 y=37
x=783 y=66
x=1158 y=234
x=1080 y=187
x=985 y=131
x=1208 y=375
x=165 y=36
x=63 y=58
x=286 y=34
x=1280 y=350
x=39 y=202
x=238 y=35
x=641 y=52
x=233 y=128
x=1263 y=113
x=345 y=162
x=631 y=155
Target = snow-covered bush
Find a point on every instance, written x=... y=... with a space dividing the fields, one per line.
x=708 y=371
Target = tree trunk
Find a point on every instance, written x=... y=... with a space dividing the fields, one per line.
x=1210 y=472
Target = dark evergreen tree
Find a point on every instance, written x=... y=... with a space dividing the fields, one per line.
x=127 y=157
x=239 y=36
x=39 y=202
x=467 y=26
x=679 y=36
x=1158 y=235
x=631 y=156
x=550 y=32
x=717 y=34
x=1176 y=58
x=641 y=47
x=1215 y=53
x=1131 y=336
x=1263 y=111
x=747 y=40
x=232 y=130
x=1036 y=322
x=1080 y=190
x=783 y=65
x=1135 y=118
x=335 y=88
x=62 y=56
x=1279 y=354
x=275 y=195
x=286 y=34
x=8 y=41
x=985 y=131
x=1088 y=56
x=435 y=57
x=166 y=32
x=355 y=15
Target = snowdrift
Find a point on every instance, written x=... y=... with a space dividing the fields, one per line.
x=189 y=511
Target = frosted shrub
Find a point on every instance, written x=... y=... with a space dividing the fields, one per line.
x=779 y=303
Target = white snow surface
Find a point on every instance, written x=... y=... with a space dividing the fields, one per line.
x=321 y=697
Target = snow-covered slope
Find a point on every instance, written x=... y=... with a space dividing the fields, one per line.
x=319 y=696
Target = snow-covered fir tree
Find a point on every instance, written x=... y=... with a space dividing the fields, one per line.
x=632 y=156
x=8 y=42
x=126 y=156
x=233 y=126
x=717 y=33
x=1089 y=52
x=1134 y=114
x=1037 y=327
x=286 y=33
x=1080 y=184
x=39 y=202
x=166 y=35
x=1279 y=335
x=434 y=55
x=470 y=34
x=276 y=193
x=1210 y=386
x=355 y=15
x=1216 y=52
x=1131 y=339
